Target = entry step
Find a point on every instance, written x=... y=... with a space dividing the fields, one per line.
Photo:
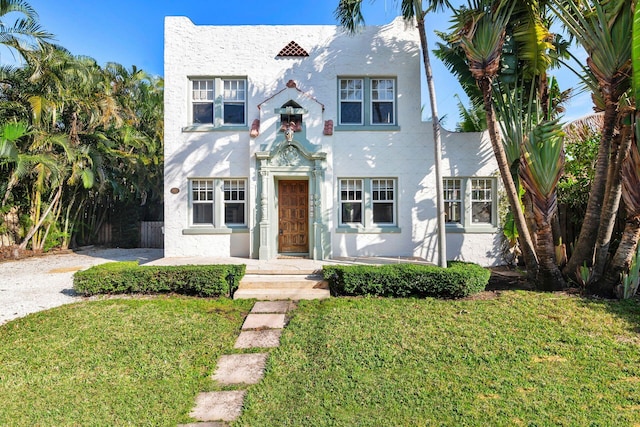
x=282 y=287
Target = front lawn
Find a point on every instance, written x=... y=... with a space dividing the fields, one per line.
x=521 y=359
x=114 y=362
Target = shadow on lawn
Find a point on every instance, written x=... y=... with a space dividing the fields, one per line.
x=507 y=278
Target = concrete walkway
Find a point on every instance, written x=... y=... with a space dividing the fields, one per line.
x=261 y=329
x=289 y=264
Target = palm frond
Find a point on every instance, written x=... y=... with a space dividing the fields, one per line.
x=349 y=15
x=541 y=165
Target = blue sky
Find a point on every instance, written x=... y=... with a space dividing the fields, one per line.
x=131 y=32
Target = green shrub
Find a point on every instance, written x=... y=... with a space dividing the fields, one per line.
x=129 y=277
x=459 y=280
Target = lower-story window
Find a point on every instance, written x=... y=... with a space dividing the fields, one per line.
x=470 y=202
x=367 y=202
x=218 y=202
x=351 y=201
x=234 y=201
x=383 y=195
x=202 y=201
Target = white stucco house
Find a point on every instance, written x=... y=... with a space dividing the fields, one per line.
x=307 y=141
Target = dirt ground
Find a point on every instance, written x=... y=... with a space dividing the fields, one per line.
x=39 y=282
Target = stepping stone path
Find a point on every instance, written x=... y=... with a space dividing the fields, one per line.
x=261 y=329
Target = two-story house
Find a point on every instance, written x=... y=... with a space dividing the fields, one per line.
x=307 y=141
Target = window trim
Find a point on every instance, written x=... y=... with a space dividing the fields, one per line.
x=219 y=101
x=360 y=100
x=367 y=105
x=351 y=186
x=235 y=186
x=466 y=224
x=367 y=226
x=218 y=206
x=380 y=101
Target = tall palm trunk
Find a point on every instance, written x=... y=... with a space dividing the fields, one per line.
x=613 y=194
x=437 y=145
x=583 y=252
x=36 y=227
x=550 y=277
x=621 y=261
x=526 y=243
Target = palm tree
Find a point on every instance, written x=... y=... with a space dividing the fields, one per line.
x=627 y=250
x=604 y=31
x=541 y=167
x=25 y=33
x=480 y=31
x=628 y=247
x=349 y=14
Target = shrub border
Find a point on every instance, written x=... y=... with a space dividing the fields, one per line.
x=127 y=277
x=459 y=280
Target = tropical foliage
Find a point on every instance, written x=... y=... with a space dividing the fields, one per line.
x=78 y=141
x=508 y=48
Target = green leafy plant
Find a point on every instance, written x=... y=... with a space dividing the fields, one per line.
x=403 y=280
x=631 y=279
x=129 y=277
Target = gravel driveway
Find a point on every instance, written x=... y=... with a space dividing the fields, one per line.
x=38 y=283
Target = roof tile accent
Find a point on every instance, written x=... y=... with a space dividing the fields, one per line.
x=328 y=127
x=255 y=128
x=293 y=49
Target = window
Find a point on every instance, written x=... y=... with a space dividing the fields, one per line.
x=367 y=203
x=367 y=101
x=234 y=201
x=351 y=201
x=202 y=97
x=383 y=196
x=481 y=201
x=382 y=101
x=218 y=102
x=351 y=101
x=452 y=201
x=202 y=197
x=218 y=202
x=470 y=202
x=233 y=102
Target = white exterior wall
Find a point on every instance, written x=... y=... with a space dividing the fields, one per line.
x=405 y=154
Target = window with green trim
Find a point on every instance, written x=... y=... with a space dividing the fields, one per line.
x=368 y=202
x=218 y=202
x=470 y=202
x=218 y=101
x=367 y=101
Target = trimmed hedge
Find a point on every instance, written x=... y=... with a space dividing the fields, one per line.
x=128 y=277
x=459 y=280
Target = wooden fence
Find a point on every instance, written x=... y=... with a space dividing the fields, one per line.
x=151 y=234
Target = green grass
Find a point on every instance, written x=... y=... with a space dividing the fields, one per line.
x=522 y=359
x=114 y=362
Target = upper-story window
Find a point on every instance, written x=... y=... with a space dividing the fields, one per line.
x=218 y=101
x=202 y=101
x=351 y=101
x=367 y=101
x=234 y=97
x=383 y=97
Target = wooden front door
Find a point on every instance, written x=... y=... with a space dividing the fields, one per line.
x=293 y=216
